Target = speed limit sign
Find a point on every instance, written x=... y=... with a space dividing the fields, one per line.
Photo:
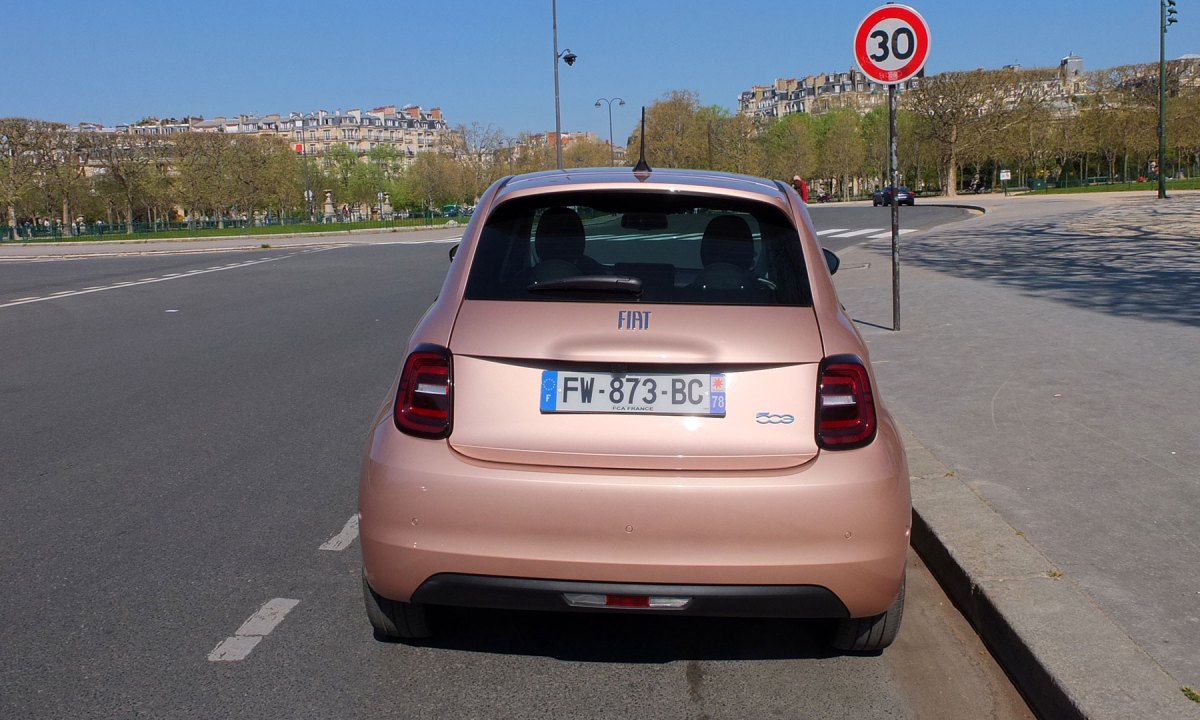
x=891 y=44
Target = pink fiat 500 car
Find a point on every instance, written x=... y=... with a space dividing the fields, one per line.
x=637 y=392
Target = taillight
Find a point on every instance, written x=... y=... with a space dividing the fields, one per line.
x=845 y=405
x=424 y=400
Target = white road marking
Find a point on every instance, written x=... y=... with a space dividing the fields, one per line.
x=143 y=281
x=420 y=242
x=856 y=233
x=831 y=230
x=888 y=234
x=342 y=540
x=252 y=632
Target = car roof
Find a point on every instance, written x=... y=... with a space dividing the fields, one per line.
x=664 y=179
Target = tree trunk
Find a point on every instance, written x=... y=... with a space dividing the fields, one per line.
x=12 y=222
x=952 y=178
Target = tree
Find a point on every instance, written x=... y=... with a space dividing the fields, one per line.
x=437 y=179
x=676 y=135
x=962 y=111
x=789 y=147
x=200 y=174
x=475 y=146
x=839 y=139
x=340 y=162
x=127 y=164
x=388 y=159
x=366 y=182
x=18 y=166
x=587 y=153
x=528 y=155
x=731 y=144
x=874 y=129
x=64 y=176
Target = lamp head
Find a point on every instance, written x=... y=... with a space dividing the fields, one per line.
x=569 y=57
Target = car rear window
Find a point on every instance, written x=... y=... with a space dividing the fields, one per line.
x=657 y=247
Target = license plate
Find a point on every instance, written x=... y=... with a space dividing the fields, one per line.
x=646 y=393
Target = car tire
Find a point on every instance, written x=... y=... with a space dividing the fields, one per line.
x=393 y=619
x=870 y=634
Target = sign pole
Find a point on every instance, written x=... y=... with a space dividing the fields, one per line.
x=890 y=46
x=893 y=178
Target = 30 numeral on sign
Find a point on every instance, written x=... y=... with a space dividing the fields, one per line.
x=900 y=45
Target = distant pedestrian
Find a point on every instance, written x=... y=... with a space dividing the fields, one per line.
x=801 y=187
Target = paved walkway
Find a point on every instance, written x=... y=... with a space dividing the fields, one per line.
x=1048 y=372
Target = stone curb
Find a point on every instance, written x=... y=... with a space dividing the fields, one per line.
x=256 y=241
x=1068 y=659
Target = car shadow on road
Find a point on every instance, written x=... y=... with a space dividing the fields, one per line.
x=626 y=638
x=1099 y=260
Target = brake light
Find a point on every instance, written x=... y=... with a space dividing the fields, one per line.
x=845 y=404
x=424 y=399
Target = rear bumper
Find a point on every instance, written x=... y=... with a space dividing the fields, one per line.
x=785 y=601
x=829 y=536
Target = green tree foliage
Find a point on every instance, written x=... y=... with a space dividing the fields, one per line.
x=201 y=175
x=789 y=147
x=963 y=113
x=19 y=163
x=843 y=156
x=586 y=153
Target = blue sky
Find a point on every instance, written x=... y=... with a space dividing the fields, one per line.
x=491 y=62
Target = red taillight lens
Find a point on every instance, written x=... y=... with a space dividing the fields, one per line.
x=424 y=400
x=845 y=405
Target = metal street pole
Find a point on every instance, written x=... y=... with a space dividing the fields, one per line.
x=1166 y=17
x=894 y=179
x=612 y=154
x=1162 y=98
x=307 y=190
x=557 y=113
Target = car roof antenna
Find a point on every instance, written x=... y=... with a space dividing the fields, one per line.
x=642 y=169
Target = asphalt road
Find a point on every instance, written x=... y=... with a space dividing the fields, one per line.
x=180 y=438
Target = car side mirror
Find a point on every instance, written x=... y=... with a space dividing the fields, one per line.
x=831 y=260
x=453 y=252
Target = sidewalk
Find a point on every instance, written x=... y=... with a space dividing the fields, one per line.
x=141 y=246
x=1045 y=373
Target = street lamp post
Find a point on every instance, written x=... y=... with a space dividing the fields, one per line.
x=612 y=154
x=569 y=58
x=1166 y=17
x=304 y=157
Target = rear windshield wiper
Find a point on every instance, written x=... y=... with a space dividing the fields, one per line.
x=591 y=283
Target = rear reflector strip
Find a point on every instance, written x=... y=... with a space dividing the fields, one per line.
x=588 y=600
x=837 y=400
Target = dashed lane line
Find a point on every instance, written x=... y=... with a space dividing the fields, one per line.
x=146 y=281
x=247 y=637
x=345 y=538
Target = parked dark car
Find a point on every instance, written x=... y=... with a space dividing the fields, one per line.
x=883 y=196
